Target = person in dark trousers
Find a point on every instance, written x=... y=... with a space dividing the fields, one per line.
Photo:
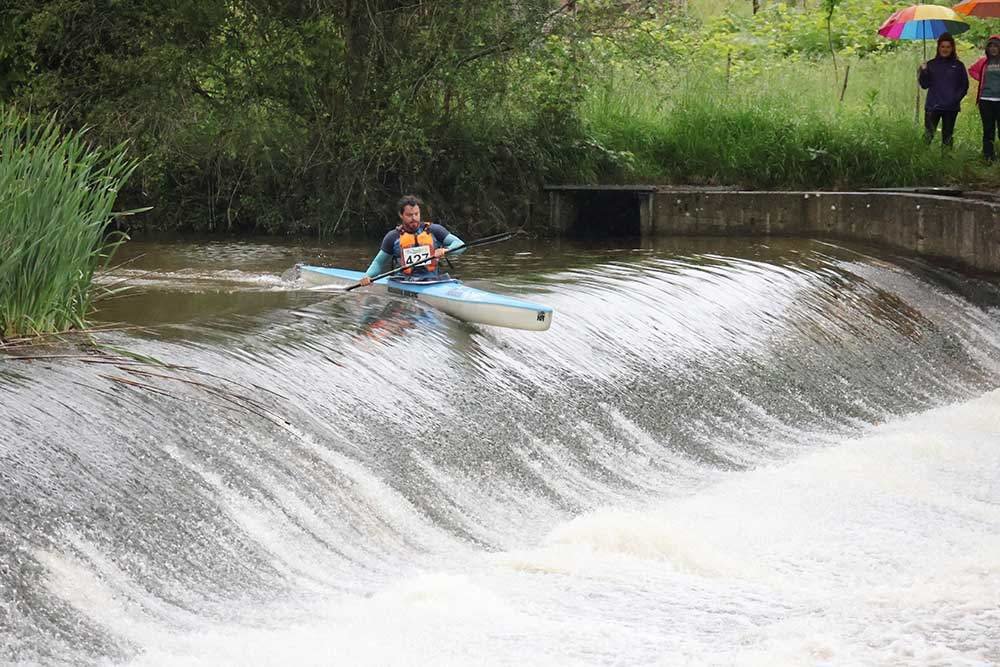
x=946 y=82
x=986 y=71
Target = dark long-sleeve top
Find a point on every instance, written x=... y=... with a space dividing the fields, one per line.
x=946 y=82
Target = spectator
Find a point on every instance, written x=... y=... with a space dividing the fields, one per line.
x=946 y=81
x=986 y=71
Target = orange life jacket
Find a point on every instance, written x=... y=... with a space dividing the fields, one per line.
x=415 y=248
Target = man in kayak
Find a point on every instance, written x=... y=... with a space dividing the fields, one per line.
x=412 y=242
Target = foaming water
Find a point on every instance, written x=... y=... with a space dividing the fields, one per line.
x=721 y=452
x=881 y=550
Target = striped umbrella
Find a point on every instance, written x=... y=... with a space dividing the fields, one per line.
x=987 y=9
x=923 y=22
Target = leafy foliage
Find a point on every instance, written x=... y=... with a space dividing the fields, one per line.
x=277 y=115
x=280 y=116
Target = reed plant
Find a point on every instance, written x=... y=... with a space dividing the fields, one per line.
x=56 y=199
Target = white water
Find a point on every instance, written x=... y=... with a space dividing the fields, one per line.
x=879 y=550
x=705 y=461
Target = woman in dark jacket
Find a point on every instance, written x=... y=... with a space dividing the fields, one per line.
x=946 y=82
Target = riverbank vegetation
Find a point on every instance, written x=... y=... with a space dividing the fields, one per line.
x=267 y=116
x=782 y=130
x=760 y=102
x=56 y=198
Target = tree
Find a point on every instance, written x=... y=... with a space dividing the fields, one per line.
x=829 y=7
x=282 y=114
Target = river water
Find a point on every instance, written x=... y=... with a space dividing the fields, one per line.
x=722 y=452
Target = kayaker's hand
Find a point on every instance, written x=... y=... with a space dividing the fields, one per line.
x=365 y=281
x=440 y=252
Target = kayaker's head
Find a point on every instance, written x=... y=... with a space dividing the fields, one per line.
x=993 y=47
x=946 y=46
x=409 y=213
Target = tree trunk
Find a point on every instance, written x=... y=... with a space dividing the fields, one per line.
x=358 y=40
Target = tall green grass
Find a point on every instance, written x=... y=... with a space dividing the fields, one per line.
x=56 y=199
x=784 y=127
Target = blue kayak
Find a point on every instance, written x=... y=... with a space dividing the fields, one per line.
x=447 y=295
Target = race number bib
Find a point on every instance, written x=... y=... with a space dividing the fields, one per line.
x=416 y=254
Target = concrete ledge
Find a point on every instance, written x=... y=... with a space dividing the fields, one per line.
x=930 y=222
x=601 y=188
x=960 y=231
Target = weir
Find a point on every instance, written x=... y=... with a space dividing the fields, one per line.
x=713 y=430
x=939 y=224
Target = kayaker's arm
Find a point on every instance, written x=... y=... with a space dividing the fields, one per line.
x=450 y=242
x=381 y=264
x=383 y=260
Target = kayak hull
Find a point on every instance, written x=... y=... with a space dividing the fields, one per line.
x=449 y=296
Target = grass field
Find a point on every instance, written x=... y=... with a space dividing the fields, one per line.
x=777 y=120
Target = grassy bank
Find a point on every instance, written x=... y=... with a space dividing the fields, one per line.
x=56 y=199
x=782 y=128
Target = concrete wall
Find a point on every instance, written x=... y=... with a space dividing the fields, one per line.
x=959 y=231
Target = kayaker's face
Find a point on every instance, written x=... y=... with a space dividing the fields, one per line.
x=410 y=218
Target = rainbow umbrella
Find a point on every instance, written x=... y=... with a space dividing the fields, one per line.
x=987 y=9
x=923 y=22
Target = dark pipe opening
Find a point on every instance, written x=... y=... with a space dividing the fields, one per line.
x=607 y=214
